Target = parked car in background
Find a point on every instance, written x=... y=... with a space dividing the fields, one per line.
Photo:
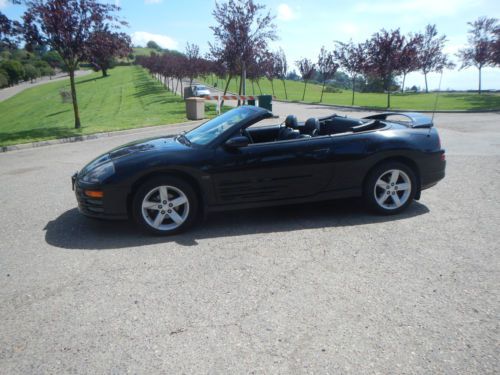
x=235 y=162
x=200 y=90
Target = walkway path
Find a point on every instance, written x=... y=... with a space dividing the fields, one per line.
x=8 y=92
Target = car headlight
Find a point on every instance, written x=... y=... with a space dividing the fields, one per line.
x=99 y=173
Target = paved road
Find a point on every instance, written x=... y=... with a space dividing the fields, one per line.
x=8 y=92
x=323 y=288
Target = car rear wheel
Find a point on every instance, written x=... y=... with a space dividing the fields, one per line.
x=165 y=205
x=390 y=188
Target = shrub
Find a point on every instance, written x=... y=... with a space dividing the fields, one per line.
x=30 y=72
x=4 y=79
x=14 y=70
x=332 y=89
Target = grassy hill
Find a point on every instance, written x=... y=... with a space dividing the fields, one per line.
x=143 y=51
x=417 y=101
x=128 y=98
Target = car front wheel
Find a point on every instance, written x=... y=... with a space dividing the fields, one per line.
x=390 y=188
x=165 y=206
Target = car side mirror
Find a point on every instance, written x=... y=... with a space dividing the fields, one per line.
x=237 y=142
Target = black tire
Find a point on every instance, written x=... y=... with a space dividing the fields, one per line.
x=389 y=195
x=174 y=185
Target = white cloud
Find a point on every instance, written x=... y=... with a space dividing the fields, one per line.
x=285 y=13
x=152 y=1
x=3 y=3
x=141 y=38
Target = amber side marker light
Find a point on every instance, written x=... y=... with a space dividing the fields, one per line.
x=94 y=193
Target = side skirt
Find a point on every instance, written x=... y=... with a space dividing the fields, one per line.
x=323 y=196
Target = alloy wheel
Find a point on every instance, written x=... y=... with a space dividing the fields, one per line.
x=165 y=208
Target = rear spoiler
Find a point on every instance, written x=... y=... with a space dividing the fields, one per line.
x=417 y=120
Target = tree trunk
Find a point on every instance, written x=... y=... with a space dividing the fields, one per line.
x=240 y=90
x=304 y=93
x=403 y=86
x=388 y=88
x=353 y=83
x=284 y=86
x=244 y=79
x=176 y=86
x=73 y=96
x=480 y=80
x=182 y=91
x=104 y=72
x=322 y=91
x=225 y=91
x=426 y=86
x=258 y=85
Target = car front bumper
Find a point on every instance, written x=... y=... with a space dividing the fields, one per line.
x=112 y=206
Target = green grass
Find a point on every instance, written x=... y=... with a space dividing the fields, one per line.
x=128 y=98
x=417 y=101
x=143 y=51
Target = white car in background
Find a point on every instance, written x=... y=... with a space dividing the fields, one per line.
x=200 y=90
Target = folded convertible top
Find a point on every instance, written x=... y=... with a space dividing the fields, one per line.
x=417 y=120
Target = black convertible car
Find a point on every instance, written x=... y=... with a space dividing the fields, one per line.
x=234 y=161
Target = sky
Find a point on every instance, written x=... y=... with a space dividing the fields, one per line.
x=303 y=27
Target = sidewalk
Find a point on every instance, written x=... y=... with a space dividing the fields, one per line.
x=9 y=92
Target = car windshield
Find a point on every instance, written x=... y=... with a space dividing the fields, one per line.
x=208 y=131
x=201 y=87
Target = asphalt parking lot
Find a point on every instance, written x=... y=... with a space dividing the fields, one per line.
x=323 y=288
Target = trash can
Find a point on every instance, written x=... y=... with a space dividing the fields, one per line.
x=195 y=108
x=265 y=101
x=251 y=102
x=188 y=92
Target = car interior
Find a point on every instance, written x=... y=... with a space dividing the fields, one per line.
x=312 y=127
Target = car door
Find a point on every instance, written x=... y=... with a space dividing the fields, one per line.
x=270 y=171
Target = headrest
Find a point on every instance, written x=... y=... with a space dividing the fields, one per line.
x=311 y=126
x=291 y=121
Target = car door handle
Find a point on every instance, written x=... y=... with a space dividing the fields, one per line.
x=320 y=153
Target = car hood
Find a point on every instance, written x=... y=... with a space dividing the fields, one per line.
x=145 y=145
x=141 y=146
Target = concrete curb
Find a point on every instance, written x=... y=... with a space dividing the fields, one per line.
x=81 y=138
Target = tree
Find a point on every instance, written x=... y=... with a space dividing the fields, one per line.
x=408 y=61
x=480 y=49
x=9 y=31
x=30 y=73
x=306 y=69
x=4 y=78
x=431 y=57
x=242 y=33
x=495 y=58
x=104 y=46
x=351 y=57
x=327 y=67
x=384 y=51
x=193 y=63
x=271 y=68
x=66 y=27
x=153 y=45
x=53 y=59
x=14 y=70
x=281 y=68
